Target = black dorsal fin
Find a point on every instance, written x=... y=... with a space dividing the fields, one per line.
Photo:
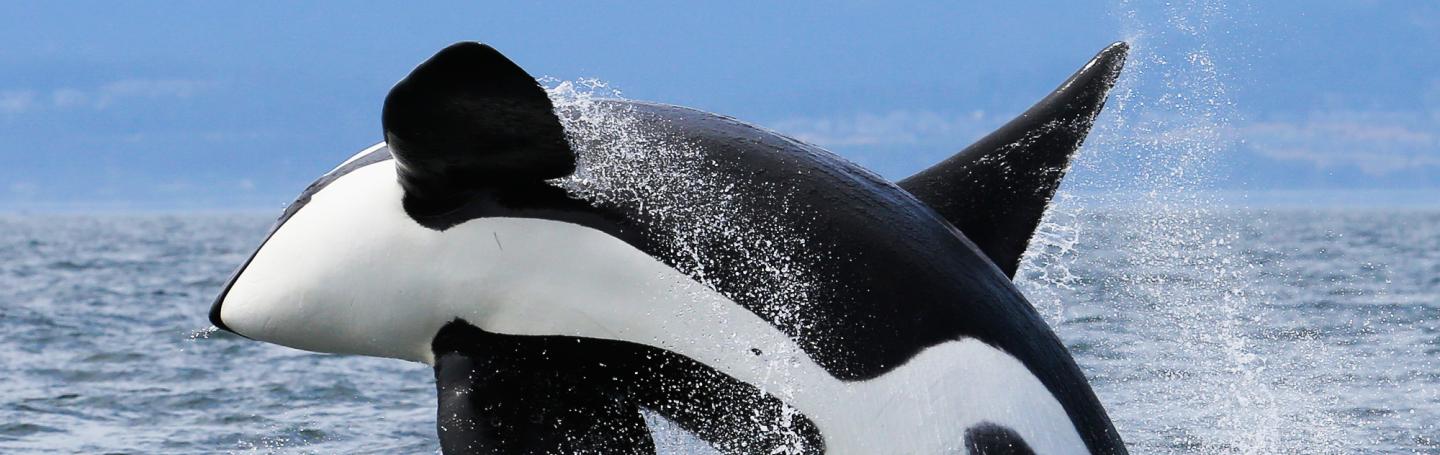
x=470 y=117
x=996 y=190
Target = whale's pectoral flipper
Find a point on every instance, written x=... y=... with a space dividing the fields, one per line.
x=506 y=398
x=556 y=394
x=470 y=117
x=996 y=190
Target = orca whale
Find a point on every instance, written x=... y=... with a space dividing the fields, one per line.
x=576 y=269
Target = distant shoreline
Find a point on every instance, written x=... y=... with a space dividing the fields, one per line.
x=1427 y=198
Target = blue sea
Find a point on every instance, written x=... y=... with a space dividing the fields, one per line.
x=1203 y=331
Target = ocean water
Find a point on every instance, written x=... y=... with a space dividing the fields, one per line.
x=1203 y=331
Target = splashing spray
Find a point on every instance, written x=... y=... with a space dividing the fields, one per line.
x=1170 y=275
x=622 y=160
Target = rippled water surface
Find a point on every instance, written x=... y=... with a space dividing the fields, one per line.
x=1288 y=331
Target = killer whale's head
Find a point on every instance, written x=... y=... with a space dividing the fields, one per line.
x=464 y=124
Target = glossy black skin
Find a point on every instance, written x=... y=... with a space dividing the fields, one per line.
x=430 y=116
x=506 y=394
x=894 y=278
x=1019 y=166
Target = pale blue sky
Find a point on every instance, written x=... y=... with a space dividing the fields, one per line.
x=208 y=105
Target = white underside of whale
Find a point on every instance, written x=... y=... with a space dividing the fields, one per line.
x=352 y=273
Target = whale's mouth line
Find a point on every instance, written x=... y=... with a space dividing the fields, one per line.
x=235 y=276
x=230 y=283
